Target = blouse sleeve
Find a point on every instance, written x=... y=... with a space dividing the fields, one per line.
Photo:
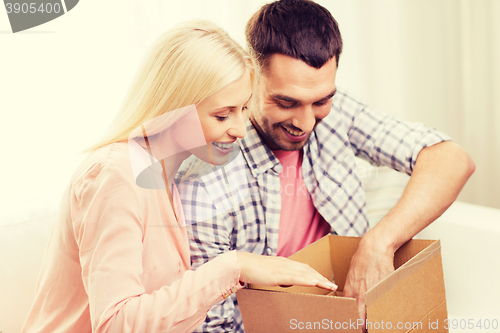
x=109 y=226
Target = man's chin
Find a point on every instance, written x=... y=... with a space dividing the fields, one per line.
x=294 y=146
x=287 y=145
x=275 y=139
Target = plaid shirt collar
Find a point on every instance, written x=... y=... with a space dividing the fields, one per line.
x=258 y=155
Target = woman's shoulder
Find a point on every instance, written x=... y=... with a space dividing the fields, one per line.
x=109 y=164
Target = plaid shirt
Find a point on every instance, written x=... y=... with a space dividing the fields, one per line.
x=237 y=207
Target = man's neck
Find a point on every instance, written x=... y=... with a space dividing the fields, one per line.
x=263 y=136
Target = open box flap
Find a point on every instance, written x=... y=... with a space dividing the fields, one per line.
x=410 y=249
x=417 y=260
x=402 y=295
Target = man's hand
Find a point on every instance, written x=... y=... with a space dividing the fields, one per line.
x=440 y=173
x=372 y=262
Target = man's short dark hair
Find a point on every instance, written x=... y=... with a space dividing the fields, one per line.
x=300 y=29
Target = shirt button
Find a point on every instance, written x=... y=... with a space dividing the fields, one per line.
x=269 y=251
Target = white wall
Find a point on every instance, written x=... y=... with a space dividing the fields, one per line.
x=61 y=83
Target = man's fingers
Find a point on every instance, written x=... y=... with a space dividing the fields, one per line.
x=348 y=290
x=361 y=308
x=361 y=302
x=351 y=287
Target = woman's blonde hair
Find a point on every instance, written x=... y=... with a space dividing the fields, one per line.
x=184 y=66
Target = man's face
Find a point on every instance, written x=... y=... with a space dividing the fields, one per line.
x=292 y=97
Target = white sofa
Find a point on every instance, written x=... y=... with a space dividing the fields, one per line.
x=470 y=238
x=470 y=246
x=23 y=239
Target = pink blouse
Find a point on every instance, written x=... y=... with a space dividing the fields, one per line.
x=118 y=260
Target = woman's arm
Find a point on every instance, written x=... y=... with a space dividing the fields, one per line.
x=110 y=220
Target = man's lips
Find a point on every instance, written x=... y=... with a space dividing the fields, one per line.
x=291 y=134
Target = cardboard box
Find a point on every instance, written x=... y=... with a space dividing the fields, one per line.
x=411 y=299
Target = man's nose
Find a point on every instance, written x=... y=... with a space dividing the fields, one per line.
x=305 y=119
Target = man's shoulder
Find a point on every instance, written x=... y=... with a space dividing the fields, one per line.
x=345 y=107
x=348 y=96
x=345 y=104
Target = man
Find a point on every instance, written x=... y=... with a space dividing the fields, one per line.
x=301 y=122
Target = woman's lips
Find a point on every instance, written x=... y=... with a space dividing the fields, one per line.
x=223 y=147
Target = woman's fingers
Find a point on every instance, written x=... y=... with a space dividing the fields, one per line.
x=310 y=277
x=327 y=285
x=274 y=271
x=306 y=277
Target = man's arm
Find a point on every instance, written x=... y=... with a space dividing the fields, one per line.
x=212 y=209
x=209 y=236
x=439 y=174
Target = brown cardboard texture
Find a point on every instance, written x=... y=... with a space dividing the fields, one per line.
x=411 y=299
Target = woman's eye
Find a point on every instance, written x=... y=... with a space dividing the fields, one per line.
x=221 y=118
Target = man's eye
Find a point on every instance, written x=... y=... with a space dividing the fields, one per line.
x=324 y=102
x=285 y=106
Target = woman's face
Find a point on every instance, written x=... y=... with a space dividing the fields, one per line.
x=223 y=116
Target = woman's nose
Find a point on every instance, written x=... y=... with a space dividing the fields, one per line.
x=238 y=125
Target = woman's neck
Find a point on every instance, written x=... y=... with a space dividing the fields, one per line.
x=169 y=153
x=172 y=164
x=173 y=161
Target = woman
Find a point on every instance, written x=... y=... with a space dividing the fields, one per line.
x=118 y=256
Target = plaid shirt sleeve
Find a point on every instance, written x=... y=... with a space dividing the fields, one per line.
x=382 y=139
x=208 y=203
x=208 y=239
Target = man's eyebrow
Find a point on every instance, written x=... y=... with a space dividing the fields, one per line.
x=289 y=99
x=329 y=96
x=284 y=98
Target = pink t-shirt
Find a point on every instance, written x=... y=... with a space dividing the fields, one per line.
x=300 y=222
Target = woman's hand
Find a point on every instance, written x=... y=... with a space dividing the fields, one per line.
x=275 y=271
